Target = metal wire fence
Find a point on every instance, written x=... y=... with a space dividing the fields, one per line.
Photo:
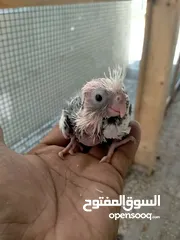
x=46 y=54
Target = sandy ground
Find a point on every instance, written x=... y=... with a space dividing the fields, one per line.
x=165 y=182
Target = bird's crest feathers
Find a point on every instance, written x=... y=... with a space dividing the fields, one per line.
x=116 y=74
x=114 y=82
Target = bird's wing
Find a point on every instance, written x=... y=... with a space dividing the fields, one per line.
x=68 y=116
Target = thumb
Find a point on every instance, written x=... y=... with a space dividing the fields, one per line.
x=1 y=136
x=125 y=154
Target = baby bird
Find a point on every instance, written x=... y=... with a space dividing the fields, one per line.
x=100 y=112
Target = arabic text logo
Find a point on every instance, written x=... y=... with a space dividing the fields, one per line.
x=127 y=204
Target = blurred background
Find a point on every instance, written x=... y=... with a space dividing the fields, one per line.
x=48 y=52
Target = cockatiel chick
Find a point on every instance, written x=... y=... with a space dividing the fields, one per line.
x=100 y=112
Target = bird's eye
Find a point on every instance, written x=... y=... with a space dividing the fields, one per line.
x=98 y=98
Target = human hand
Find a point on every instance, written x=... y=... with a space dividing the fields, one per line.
x=42 y=196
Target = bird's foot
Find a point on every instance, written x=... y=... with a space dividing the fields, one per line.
x=115 y=144
x=127 y=139
x=70 y=148
x=105 y=159
x=75 y=148
x=61 y=154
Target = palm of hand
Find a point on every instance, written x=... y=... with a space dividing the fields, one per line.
x=46 y=194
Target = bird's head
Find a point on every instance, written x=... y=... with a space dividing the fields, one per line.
x=105 y=96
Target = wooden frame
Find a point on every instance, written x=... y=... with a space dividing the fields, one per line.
x=26 y=3
x=162 y=27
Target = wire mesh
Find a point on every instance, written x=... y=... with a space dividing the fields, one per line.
x=46 y=54
x=174 y=77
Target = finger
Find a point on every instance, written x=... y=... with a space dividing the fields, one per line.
x=124 y=156
x=55 y=137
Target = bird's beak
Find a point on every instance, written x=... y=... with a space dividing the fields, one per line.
x=118 y=107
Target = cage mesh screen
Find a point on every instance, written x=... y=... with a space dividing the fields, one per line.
x=46 y=54
x=174 y=65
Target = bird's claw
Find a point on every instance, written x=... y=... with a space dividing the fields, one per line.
x=71 y=152
x=105 y=159
x=61 y=155
x=131 y=138
x=70 y=148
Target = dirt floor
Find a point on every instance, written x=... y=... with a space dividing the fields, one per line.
x=164 y=182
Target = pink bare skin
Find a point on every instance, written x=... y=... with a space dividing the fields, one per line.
x=115 y=106
x=70 y=148
x=118 y=106
x=42 y=196
x=73 y=147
